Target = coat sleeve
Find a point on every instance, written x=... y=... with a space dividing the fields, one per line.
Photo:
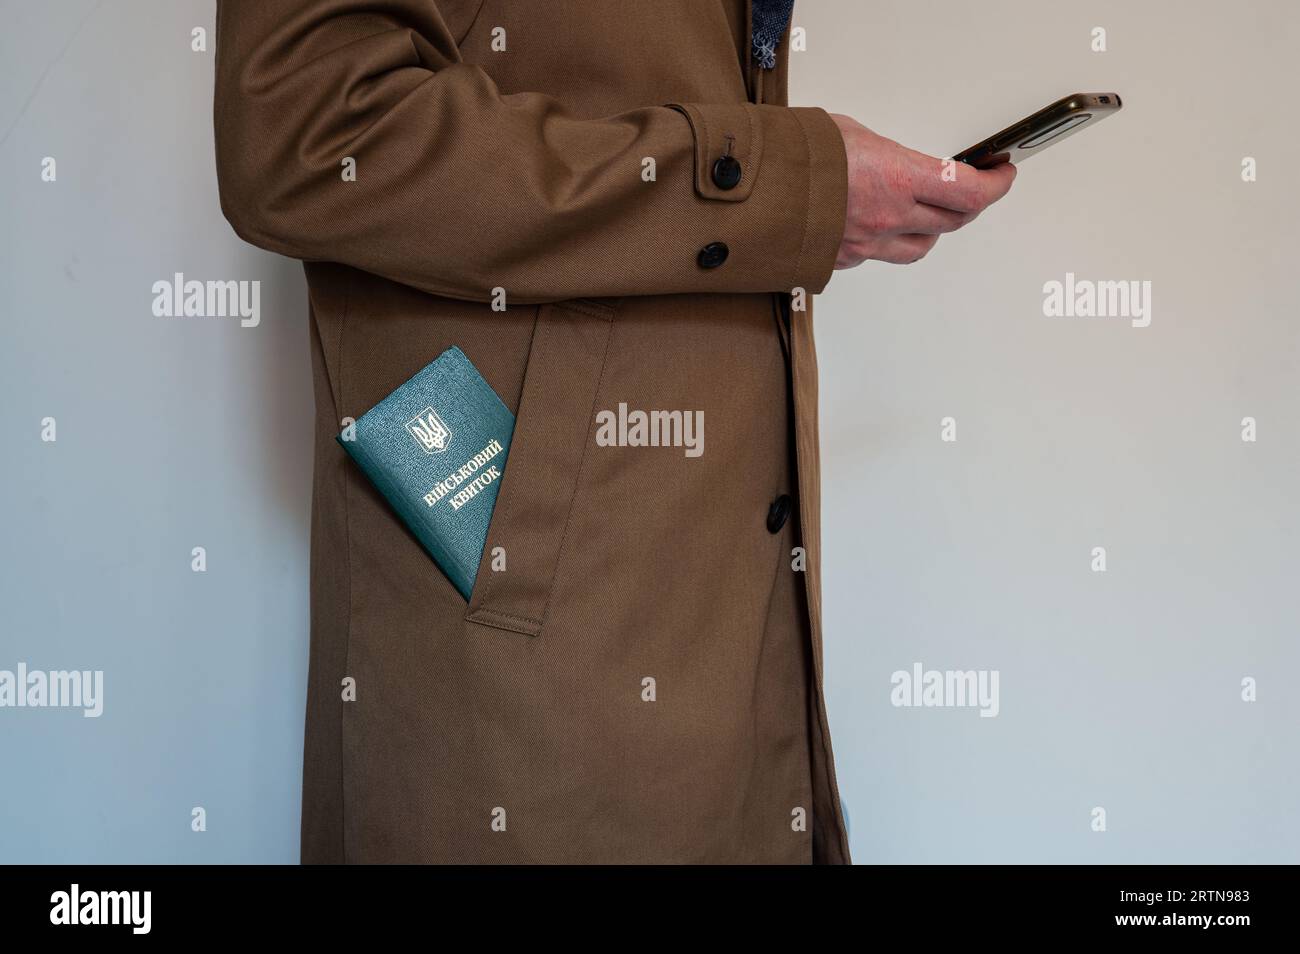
x=460 y=189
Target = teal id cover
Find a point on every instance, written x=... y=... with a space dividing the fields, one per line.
x=436 y=449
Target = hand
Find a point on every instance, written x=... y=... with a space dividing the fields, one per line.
x=899 y=203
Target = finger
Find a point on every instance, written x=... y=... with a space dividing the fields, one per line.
x=926 y=219
x=957 y=186
x=906 y=249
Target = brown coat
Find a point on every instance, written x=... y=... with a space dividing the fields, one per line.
x=642 y=683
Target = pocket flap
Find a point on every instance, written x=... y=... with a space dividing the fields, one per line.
x=538 y=487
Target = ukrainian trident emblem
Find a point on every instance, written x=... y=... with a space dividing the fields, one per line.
x=430 y=431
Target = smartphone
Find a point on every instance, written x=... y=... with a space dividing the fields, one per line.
x=1048 y=126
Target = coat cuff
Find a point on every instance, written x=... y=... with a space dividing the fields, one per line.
x=828 y=197
x=779 y=198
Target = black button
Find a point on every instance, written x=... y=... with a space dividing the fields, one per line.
x=713 y=255
x=778 y=513
x=726 y=173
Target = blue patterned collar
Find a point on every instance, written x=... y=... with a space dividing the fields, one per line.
x=770 y=20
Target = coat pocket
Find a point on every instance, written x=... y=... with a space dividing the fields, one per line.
x=529 y=526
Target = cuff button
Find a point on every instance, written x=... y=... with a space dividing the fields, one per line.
x=713 y=255
x=726 y=173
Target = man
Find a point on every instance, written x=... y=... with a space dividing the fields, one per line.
x=610 y=210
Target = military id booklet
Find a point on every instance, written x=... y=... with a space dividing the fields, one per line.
x=436 y=449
